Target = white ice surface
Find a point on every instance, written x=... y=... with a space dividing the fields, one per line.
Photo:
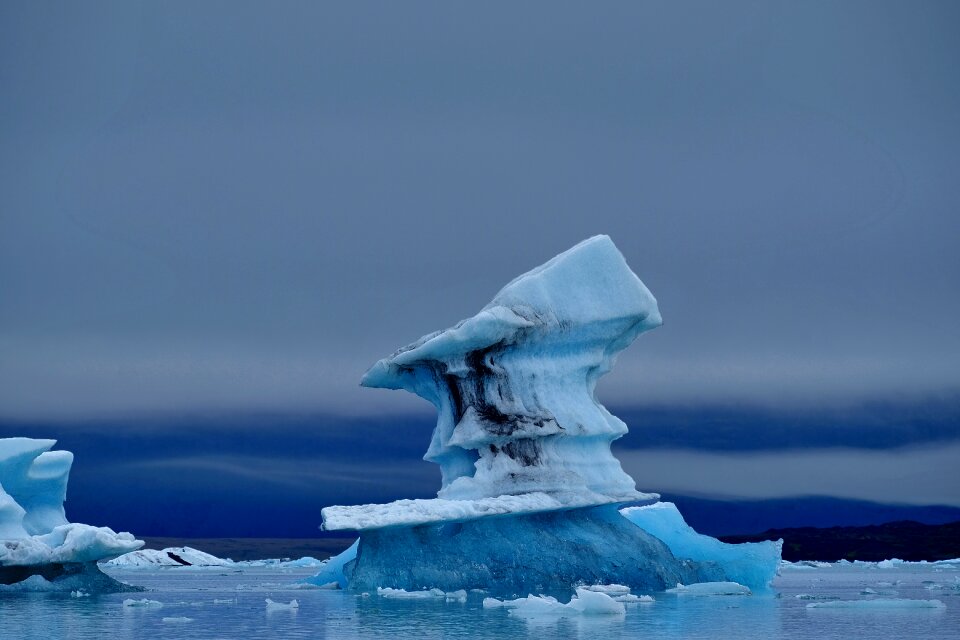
x=585 y=602
x=424 y=511
x=168 y=558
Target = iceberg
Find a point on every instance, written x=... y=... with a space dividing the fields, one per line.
x=39 y=548
x=530 y=492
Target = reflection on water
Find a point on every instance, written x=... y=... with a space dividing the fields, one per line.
x=231 y=604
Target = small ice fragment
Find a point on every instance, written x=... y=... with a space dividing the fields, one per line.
x=177 y=619
x=629 y=598
x=280 y=606
x=878 y=603
x=456 y=596
x=224 y=601
x=711 y=589
x=609 y=589
x=142 y=602
x=79 y=593
x=388 y=592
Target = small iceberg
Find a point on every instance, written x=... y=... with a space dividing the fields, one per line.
x=177 y=619
x=142 y=602
x=281 y=606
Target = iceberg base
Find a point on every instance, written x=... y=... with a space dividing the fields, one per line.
x=516 y=555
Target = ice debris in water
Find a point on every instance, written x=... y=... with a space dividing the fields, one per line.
x=878 y=603
x=402 y=594
x=619 y=592
x=36 y=540
x=177 y=619
x=585 y=602
x=79 y=593
x=711 y=589
x=142 y=602
x=280 y=606
x=530 y=490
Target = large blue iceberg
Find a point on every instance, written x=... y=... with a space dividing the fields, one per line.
x=531 y=492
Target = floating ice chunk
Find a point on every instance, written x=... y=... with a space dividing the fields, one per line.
x=142 y=602
x=281 y=606
x=609 y=589
x=169 y=557
x=585 y=602
x=459 y=595
x=595 y=603
x=889 y=564
x=629 y=598
x=711 y=589
x=753 y=564
x=79 y=593
x=177 y=619
x=878 y=603
x=811 y=596
x=224 y=601
x=804 y=564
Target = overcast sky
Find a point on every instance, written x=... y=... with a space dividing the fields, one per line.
x=232 y=206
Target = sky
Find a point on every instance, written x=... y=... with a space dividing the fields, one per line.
x=214 y=217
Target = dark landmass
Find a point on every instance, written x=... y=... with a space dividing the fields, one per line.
x=257 y=548
x=905 y=539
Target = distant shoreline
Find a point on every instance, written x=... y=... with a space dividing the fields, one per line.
x=906 y=540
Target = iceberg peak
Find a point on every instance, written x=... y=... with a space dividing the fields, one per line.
x=514 y=384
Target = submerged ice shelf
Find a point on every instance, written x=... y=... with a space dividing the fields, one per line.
x=530 y=490
x=37 y=543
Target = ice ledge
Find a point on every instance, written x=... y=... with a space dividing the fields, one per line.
x=409 y=513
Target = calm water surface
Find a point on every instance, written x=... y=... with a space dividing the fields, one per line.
x=334 y=614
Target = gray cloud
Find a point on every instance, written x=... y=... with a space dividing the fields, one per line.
x=243 y=207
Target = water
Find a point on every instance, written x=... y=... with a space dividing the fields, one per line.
x=334 y=614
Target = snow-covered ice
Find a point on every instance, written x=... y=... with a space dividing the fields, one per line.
x=169 y=557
